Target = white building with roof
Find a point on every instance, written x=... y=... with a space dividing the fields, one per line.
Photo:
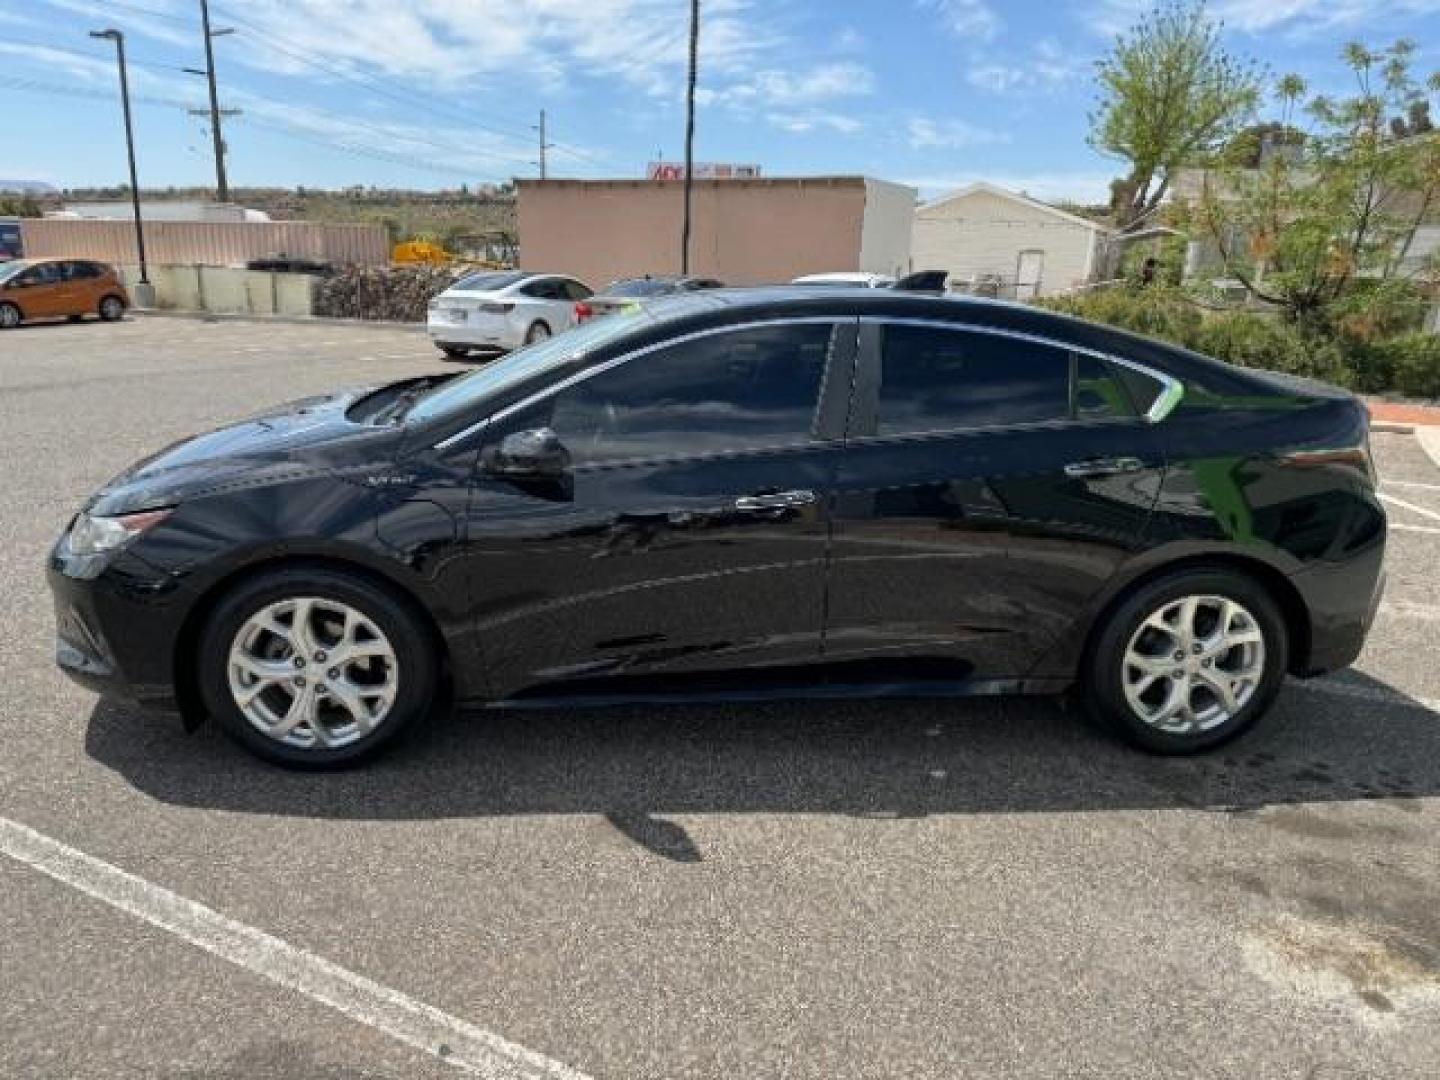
x=1000 y=242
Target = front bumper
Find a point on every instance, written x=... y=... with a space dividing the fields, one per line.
x=117 y=631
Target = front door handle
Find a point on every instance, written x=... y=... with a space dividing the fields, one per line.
x=1106 y=466
x=780 y=500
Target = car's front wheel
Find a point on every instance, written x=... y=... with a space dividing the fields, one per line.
x=112 y=309
x=1188 y=661
x=315 y=668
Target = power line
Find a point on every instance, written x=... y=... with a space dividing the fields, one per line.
x=87 y=53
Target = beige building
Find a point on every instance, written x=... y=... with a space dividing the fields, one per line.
x=997 y=241
x=744 y=232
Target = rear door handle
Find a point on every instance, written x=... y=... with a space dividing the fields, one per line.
x=780 y=500
x=1107 y=466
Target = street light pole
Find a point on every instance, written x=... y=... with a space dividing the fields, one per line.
x=690 y=132
x=119 y=39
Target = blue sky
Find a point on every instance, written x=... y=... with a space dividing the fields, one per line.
x=432 y=93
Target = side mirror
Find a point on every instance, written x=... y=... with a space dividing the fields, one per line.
x=529 y=455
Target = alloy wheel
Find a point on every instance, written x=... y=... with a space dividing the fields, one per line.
x=1193 y=663
x=312 y=673
x=9 y=316
x=111 y=309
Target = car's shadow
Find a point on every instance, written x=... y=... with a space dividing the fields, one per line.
x=870 y=759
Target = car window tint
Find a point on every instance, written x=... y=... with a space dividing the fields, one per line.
x=575 y=291
x=938 y=380
x=1098 y=392
x=734 y=391
x=548 y=289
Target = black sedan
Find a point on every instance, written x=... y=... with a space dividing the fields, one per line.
x=629 y=293
x=738 y=494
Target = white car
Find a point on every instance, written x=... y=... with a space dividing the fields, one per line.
x=847 y=279
x=503 y=310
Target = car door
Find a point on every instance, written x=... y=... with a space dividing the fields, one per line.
x=685 y=546
x=991 y=485
x=40 y=291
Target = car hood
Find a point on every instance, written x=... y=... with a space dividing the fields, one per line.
x=313 y=436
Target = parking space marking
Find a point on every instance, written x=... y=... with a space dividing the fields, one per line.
x=1395 y=526
x=1422 y=511
x=1336 y=688
x=1411 y=484
x=468 y=1048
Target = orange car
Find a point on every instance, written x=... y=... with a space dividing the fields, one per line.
x=59 y=289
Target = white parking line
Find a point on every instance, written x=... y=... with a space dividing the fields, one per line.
x=1411 y=484
x=1395 y=526
x=465 y=1046
x=1376 y=694
x=1422 y=511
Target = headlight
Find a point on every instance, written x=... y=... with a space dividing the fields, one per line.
x=91 y=535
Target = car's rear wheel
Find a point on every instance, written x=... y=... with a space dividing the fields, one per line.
x=9 y=316
x=315 y=668
x=1188 y=661
x=112 y=309
x=537 y=332
x=455 y=352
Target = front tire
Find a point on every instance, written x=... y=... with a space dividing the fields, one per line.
x=315 y=669
x=1188 y=661
x=10 y=316
x=112 y=309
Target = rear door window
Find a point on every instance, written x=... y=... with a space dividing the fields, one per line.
x=936 y=379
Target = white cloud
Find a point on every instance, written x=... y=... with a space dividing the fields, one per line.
x=926 y=134
x=966 y=19
x=1302 y=17
x=805 y=122
x=1047 y=69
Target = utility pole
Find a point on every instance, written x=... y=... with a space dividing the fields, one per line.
x=222 y=189
x=119 y=39
x=543 y=144
x=690 y=132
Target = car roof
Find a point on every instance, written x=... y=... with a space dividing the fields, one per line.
x=695 y=311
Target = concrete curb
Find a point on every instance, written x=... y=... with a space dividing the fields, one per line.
x=1392 y=427
x=287 y=320
x=1429 y=440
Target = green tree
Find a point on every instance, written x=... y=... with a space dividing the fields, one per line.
x=1170 y=96
x=1325 y=233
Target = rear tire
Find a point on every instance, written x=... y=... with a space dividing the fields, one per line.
x=1187 y=662
x=112 y=309
x=455 y=352
x=368 y=671
x=538 y=332
x=10 y=316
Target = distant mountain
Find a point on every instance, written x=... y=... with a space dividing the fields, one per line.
x=28 y=187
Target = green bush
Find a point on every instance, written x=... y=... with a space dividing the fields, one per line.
x=1255 y=341
x=1387 y=360
x=1410 y=363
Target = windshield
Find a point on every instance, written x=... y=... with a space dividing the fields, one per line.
x=489 y=281
x=10 y=269
x=469 y=392
x=640 y=287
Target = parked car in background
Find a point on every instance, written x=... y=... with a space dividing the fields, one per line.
x=12 y=242
x=847 y=280
x=745 y=493
x=500 y=310
x=628 y=292
x=37 y=289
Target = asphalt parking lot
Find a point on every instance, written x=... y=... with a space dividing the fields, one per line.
x=930 y=889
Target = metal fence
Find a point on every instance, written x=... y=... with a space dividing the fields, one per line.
x=227 y=243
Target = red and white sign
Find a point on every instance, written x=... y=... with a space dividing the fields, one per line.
x=709 y=170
